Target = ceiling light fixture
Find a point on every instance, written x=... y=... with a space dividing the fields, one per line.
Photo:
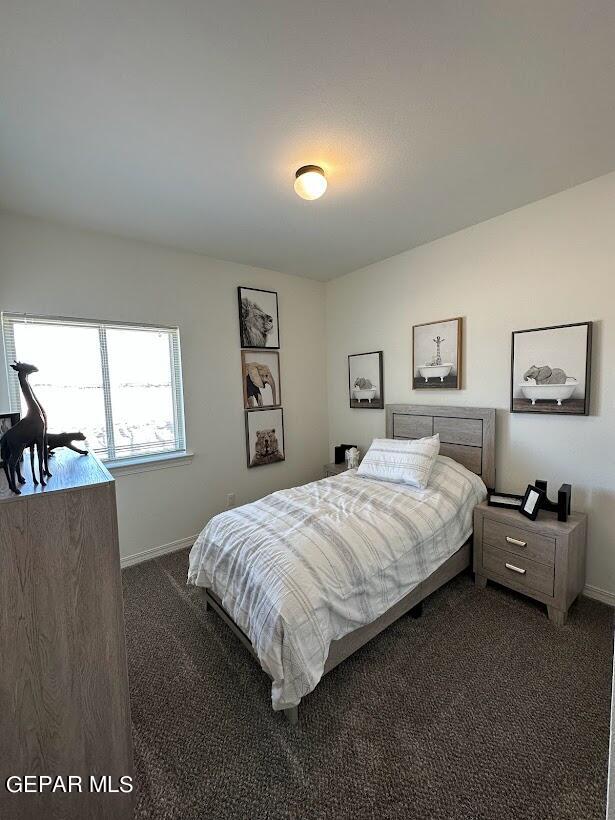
x=310 y=182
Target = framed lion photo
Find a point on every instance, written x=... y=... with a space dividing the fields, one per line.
x=258 y=318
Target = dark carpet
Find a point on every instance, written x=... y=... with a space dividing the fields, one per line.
x=479 y=709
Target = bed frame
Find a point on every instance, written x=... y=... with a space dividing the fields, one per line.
x=467 y=434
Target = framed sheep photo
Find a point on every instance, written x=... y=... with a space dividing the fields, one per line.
x=264 y=437
x=551 y=370
x=365 y=381
x=258 y=318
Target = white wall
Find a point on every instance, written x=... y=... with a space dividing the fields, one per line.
x=551 y=262
x=49 y=269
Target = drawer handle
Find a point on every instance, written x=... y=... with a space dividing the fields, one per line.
x=516 y=541
x=516 y=569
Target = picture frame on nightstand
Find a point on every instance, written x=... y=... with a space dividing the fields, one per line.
x=507 y=501
x=532 y=500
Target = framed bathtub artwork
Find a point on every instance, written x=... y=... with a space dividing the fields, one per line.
x=365 y=381
x=436 y=355
x=551 y=370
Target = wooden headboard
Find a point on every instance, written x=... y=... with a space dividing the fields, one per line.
x=467 y=434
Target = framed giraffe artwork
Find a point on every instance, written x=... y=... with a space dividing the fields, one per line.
x=437 y=355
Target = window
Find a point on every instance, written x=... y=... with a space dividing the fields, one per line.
x=119 y=384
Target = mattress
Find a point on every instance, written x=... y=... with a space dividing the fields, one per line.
x=305 y=566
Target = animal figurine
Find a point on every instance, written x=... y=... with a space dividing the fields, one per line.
x=266 y=448
x=257 y=376
x=29 y=432
x=256 y=325
x=545 y=375
x=55 y=440
x=46 y=452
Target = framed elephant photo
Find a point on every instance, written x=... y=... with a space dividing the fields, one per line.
x=551 y=370
x=260 y=371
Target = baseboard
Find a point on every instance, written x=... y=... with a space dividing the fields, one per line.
x=156 y=552
x=599 y=595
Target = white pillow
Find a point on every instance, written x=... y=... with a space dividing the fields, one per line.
x=401 y=461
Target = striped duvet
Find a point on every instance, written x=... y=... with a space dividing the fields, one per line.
x=305 y=566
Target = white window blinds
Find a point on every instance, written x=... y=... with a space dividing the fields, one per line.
x=120 y=384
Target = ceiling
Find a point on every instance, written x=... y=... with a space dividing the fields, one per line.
x=183 y=121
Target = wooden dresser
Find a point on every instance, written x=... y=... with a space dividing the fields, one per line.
x=64 y=704
x=545 y=558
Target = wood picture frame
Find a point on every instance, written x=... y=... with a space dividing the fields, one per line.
x=7 y=420
x=260 y=375
x=259 y=319
x=545 y=363
x=437 y=359
x=265 y=436
x=366 y=369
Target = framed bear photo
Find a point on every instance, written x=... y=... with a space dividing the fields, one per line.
x=260 y=372
x=551 y=370
x=264 y=436
x=259 y=324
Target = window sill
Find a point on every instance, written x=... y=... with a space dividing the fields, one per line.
x=143 y=464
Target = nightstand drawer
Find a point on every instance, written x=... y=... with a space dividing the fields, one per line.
x=522 y=542
x=518 y=572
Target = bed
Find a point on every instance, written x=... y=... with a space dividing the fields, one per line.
x=306 y=576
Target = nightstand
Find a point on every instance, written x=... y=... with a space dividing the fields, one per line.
x=334 y=469
x=544 y=559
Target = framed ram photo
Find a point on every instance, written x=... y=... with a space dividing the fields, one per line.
x=258 y=318
x=261 y=379
x=551 y=370
x=264 y=437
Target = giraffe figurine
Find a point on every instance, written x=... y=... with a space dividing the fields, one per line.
x=46 y=451
x=29 y=431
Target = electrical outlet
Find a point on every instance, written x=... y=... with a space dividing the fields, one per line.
x=230 y=501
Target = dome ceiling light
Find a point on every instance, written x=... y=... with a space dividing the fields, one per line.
x=310 y=182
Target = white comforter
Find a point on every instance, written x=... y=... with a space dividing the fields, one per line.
x=303 y=567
